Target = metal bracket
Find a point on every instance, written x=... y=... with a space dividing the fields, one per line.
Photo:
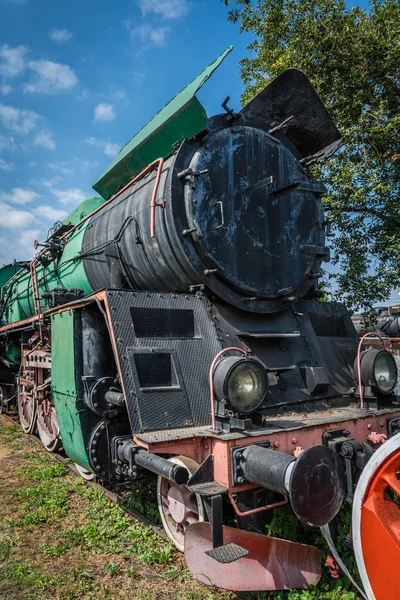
x=393 y=426
x=190 y=173
x=238 y=477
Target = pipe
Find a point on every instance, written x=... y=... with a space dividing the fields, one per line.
x=128 y=452
x=266 y=467
x=314 y=482
x=254 y=511
x=115 y=398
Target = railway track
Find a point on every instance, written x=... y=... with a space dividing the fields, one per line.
x=113 y=495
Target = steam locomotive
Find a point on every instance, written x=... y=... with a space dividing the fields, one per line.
x=173 y=323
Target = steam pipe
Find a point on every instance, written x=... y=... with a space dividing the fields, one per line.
x=130 y=453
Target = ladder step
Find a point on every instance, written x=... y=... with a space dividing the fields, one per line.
x=227 y=553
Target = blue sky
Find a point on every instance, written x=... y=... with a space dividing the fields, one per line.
x=78 y=79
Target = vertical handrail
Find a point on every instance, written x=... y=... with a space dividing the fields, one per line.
x=156 y=164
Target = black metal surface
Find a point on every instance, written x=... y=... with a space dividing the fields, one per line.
x=266 y=467
x=228 y=553
x=129 y=452
x=291 y=98
x=165 y=377
x=315 y=481
x=317 y=486
x=216 y=520
x=250 y=209
x=311 y=369
x=235 y=198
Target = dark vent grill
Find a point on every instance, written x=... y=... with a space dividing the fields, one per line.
x=167 y=323
x=328 y=325
x=155 y=370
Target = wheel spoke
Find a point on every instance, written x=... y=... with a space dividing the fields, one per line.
x=392 y=481
x=178 y=506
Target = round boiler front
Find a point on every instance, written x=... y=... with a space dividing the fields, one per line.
x=241 y=219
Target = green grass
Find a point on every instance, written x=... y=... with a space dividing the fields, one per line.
x=60 y=538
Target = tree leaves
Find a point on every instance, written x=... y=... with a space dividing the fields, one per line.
x=353 y=59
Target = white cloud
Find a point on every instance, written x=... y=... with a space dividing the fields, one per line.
x=7 y=143
x=48 y=212
x=62 y=166
x=71 y=196
x=19 y=196
x=104 y=113
x=12 y=60
x=109 y=148
x=13 y=218
x=5 y=89
x=150 y=36
x=50 y=77
x=45 y=139
x=49 y=183
x=18 y=120
x=60 y=35
x=166 y=9
x=6 y=166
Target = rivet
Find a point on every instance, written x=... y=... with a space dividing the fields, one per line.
x=276 y=444
x=369 y=426
x=294 y=441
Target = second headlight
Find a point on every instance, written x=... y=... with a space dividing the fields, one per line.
x=241 y=382
x=378 y=370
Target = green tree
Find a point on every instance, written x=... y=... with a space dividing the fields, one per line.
x=353 y=59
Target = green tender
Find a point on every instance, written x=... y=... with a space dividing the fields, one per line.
x=67 y=272
x=183 y=117
x=64 y=390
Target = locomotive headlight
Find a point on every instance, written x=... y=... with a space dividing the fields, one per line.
x=378 y=370
x=241 y=382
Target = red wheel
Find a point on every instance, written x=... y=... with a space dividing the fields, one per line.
x=47 y=425
x=376 y=523
x=178 y=506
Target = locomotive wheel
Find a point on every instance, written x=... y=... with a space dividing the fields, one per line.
x=26 y=410
x=178 y=506
x=376 y=522
x=48 y=429
x=85 y=473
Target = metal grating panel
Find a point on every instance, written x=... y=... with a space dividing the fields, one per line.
x=228 y=553
x=180 y=395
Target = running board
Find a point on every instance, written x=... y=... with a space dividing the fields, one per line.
x=262 y=562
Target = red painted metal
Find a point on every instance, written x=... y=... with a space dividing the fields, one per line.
x=214 y=362
x=380 y=530
x=154 y=203
x=377 y=438
x=333 y=567
x=297 y=451
x=271 y=564
x=253 y=511
x=198 y=448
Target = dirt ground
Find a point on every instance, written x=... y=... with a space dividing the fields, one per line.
x=59 y=539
